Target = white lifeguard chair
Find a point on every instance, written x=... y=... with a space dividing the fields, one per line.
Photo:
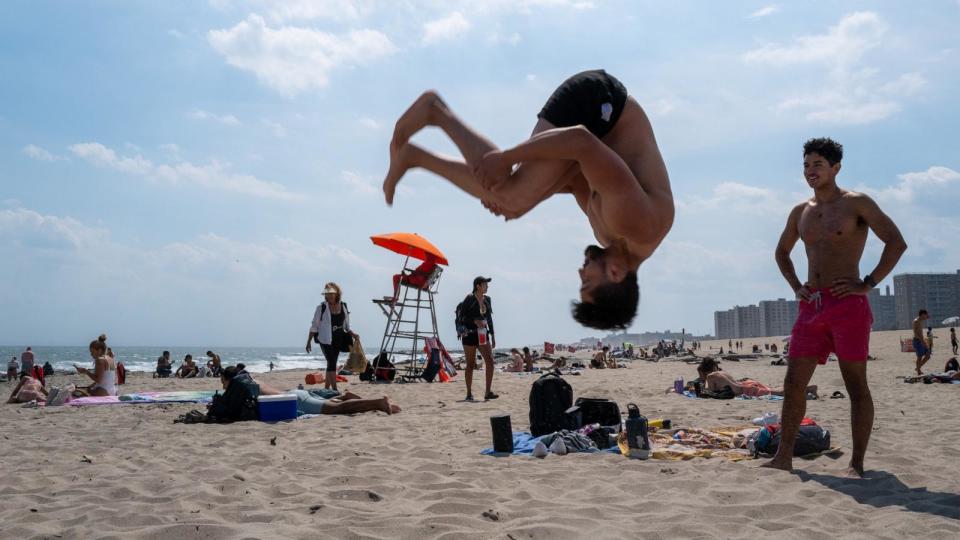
x=410 y=311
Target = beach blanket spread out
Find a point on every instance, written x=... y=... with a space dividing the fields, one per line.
x=185 y=396
x=672 y=444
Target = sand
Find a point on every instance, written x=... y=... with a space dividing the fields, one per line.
x=130 y=472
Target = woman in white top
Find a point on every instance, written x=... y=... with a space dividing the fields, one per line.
x=331 y=329
x=104 y=372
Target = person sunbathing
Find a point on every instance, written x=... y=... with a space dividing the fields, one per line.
x=516 y=362
x=716 y=380
x=346 y=403
x=27 y=390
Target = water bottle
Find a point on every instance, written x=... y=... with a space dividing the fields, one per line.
x=660 y=423
x=636 y=429
x=678 y=385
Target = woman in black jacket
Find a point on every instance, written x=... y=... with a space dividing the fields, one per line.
x=477 y=317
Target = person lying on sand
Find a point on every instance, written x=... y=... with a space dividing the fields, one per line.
x=345 y=403
x=27 y=390
x=717 y=380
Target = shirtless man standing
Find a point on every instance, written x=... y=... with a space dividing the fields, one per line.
x=591 y=140
x=834 y=313
x=920 y=345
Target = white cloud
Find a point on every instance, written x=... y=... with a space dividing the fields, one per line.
x=292 y=60
x=447 y=28
x=765 y=11
x=842 y=44
x=907 y=84
x=227 y=119
x=102 y=156
x=850 y=91
x=370 y=123
x=360 y=184
x=738 y=196
x=913 y=182
x=275 y=128
x=40 y=154
x=25 y=228
x=214 y=175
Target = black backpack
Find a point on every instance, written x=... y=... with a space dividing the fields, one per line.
x=432 y=368
x=550 y=397
x=459 y=321
x=383 y=368
x=238 y=403
x=588 y=411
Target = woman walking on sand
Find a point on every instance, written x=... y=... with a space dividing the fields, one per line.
x=331 y=329
x=477 y=317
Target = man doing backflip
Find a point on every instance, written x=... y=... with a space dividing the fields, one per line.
x=591 y=140
x=834 y=313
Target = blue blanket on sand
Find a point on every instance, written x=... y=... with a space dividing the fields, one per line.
x=523 y=443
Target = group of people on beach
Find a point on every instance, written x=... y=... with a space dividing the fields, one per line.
x=594 y=141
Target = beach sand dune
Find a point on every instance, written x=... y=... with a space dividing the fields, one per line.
x=130 y=472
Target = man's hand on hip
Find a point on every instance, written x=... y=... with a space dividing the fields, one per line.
x=844 y=287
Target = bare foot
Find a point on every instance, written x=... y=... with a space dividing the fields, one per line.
x=415 y=118
x=399 y=163
x=775 y=463
x=855 y=470
x=388 y=407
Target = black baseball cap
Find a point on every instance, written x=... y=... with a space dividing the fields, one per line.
x=480 y=279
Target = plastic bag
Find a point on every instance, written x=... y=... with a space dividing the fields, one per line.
x=357 y=362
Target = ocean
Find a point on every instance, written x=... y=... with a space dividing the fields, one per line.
x=257 y=359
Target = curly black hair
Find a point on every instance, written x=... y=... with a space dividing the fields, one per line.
x=826 y=147
x=614 y=305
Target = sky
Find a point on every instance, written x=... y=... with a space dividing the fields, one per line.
x=192 y=173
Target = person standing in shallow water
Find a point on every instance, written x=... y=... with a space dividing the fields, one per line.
x=478 y=316
x=834 y=312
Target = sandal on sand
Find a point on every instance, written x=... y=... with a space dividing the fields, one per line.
x=490 y=395
x=469 y=397
x=837 y=395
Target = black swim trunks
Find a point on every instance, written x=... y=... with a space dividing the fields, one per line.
x=593 y=99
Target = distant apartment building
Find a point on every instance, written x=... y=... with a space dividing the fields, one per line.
x=884 y=310
x=739 y=322
x=777 y=316
x=724 y=326
x=938 y=293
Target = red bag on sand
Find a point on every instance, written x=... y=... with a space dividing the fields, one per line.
x=121 y=373
x=319 y=378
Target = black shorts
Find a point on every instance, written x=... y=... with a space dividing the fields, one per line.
x=470 y=339
x=593 y=99
x=331 y=353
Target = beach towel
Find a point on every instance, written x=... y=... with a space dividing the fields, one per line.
x=186 y=396
x=523 y=443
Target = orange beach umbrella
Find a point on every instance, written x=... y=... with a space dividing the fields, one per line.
x=410 y=244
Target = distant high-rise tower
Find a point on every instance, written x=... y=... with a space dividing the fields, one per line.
x=939 y=294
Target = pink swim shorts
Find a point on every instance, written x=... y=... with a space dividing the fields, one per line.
x=829 y=324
